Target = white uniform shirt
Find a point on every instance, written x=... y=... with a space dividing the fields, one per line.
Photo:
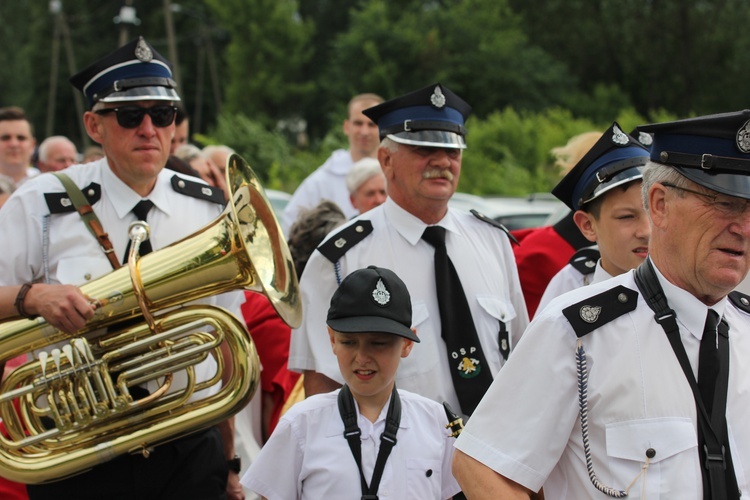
x=528 y=427
x=484 y=261
x=328 y=182
x=569 y=278
x=307 y=457
x=74 y=255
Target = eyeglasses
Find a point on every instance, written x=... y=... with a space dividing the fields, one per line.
x=727 y=205
x=132 y=116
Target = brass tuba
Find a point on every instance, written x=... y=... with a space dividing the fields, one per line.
x=72 y=408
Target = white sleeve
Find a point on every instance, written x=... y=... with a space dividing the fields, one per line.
x=275 y=473
x=310 y=348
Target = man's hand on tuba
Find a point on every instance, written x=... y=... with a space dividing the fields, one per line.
x=63 y=306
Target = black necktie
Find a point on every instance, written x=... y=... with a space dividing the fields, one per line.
x=140 y=210
x=708 y=360
x=469 y=369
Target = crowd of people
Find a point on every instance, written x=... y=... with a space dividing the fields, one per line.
x=603 y=356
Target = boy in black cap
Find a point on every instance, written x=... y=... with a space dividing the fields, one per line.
x=603 y=190
x=368 y=436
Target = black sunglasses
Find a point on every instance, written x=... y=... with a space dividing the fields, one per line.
x=132 y=116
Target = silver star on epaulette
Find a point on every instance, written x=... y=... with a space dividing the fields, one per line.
x=590 y=314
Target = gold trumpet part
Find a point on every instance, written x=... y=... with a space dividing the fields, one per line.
x=75 y=405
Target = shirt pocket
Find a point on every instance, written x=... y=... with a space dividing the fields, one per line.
x=428 y=352
x=495 y=328
x=81 y=270
x=668 y=444
x=423 y=479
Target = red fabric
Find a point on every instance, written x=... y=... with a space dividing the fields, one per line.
x=272 y=338
x=541 y=254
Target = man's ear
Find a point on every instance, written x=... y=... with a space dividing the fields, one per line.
x=385 y=158
x=93 y=126
x=586 y=224
x=658 y=207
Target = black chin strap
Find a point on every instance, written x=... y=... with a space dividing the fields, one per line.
x=719 y=481
x=352 y=433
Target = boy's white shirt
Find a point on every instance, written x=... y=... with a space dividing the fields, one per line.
x=317 y=461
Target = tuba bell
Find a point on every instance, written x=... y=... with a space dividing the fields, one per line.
x=74 y=406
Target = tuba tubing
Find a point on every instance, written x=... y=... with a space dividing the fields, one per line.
x=243 y=248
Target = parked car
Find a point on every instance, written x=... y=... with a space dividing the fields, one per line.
x=534 y=210
x=278 y=200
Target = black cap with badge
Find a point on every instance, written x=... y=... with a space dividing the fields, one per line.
x=433 y=116
x=134 y=72
x=372 y=300
x=615 y=159
x=712 y=150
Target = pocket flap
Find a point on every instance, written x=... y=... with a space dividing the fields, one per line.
x=419 y=313
x=665 y=436
x=497 y=307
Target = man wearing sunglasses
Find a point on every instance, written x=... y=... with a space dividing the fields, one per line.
x=50 y=250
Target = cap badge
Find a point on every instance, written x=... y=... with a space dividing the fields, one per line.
x=743 y=138
x=437 y=98
x=590 y=314
x=380 y=294
x=619 y=137
x=645 y=139
x=142 y=51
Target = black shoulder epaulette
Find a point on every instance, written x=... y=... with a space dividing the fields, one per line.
x=337 y=245
x=595 y=312
x=740 y=300
x=59 y=203
x=495 y=223
x=584 y=260
x=197 y=190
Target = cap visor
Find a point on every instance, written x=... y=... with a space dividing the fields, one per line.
x=155 y=93
x=430 y=138
x=371 y=324
x=627 y=175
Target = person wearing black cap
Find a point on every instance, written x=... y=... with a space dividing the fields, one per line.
x=604 y=192
x=132 y=100
x=368 y=436
x=643 y=379
x=470 y=316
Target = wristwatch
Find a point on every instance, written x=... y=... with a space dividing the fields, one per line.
x=235 y=464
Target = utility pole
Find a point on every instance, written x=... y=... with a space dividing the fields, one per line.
x=124 y=18
x=62 y=30
x=171 y=43
x=55 y=8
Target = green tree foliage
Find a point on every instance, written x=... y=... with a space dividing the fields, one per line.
x=685 y=56
x=475 y=47
x=265 y=57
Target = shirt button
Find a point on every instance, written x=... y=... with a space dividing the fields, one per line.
x=87 y=276
x=651 y=453
x=428 y=473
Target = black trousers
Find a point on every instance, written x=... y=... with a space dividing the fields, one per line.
x=191 y=467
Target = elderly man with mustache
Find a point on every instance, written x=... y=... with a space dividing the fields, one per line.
x=423 y=137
